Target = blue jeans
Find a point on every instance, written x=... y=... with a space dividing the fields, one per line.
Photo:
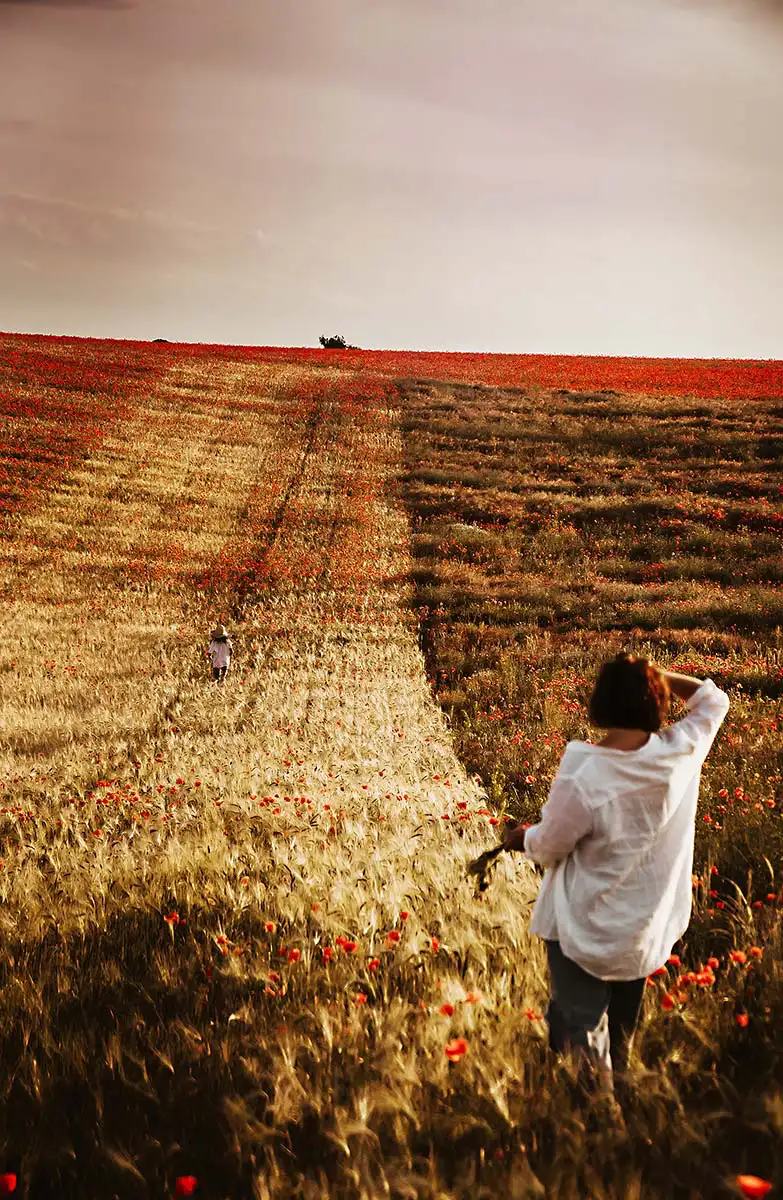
x=595 y=1017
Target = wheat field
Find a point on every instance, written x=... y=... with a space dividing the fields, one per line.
x=241 y=956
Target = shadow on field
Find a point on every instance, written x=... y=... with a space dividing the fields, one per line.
x=142 y=1051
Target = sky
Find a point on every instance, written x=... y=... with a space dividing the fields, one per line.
x=519 y=176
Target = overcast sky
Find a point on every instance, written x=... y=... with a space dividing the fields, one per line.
x=554 y=176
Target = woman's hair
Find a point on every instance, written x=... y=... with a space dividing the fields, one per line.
x=629 y=693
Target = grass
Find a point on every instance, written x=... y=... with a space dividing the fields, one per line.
x=237 y=933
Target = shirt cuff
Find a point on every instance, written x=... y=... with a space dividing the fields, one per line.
x=527 y=850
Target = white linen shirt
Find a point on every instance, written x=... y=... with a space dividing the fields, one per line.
x=616 y=836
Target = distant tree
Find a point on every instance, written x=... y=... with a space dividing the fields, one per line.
x=336 y=342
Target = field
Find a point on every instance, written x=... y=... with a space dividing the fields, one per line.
x=240 y=954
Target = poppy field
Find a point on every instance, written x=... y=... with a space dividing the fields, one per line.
x=240 y=953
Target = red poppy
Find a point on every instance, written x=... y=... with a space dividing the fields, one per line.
x=186 y=1185
x=446 y=1010
x=738 y=956
x=742 y=1019
x=455 y=1049
x=7 y=1184
x=667 y=1001
x=393 y=935
x=752 y=1187
x=434 y=945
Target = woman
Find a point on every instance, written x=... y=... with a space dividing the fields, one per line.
x=616 y=835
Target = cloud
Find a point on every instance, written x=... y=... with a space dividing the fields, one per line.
x=739 y=10
x=105 y=5
x=84 y=233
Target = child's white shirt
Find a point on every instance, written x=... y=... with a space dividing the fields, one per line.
x=220 y=653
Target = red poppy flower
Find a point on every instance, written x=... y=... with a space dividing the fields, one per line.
x=455 y=1049
x=7 y=1184
x=738 y=956
x=742 y=1019
x=434 y=945
x=186 y=1185
x=667 y=1001
x=752 y=1187
x=393 y=935
x=349 y=947
x=446 y=1010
